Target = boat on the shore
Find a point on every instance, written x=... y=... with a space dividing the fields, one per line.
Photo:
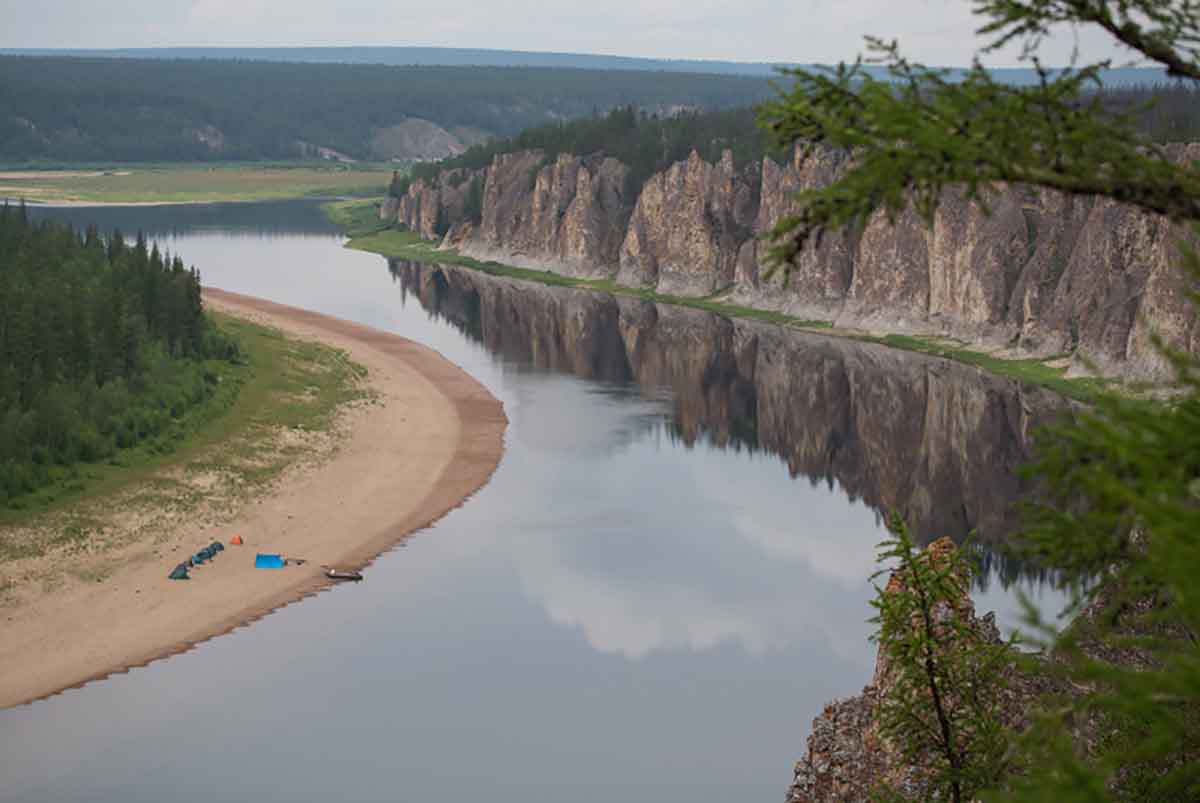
x=339 y=574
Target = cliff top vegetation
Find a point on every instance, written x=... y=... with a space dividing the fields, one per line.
x=646 y=143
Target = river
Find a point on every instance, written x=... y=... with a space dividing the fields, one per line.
x=663 y=584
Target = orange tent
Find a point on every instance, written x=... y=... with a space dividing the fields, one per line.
x=237 y=539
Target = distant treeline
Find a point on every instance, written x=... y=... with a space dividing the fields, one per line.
x=1165 y=113
x=102 y=109
x=646 y=143
x=480 y=57
x=102 y=346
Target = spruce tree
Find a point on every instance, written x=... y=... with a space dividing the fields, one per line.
x=101 y=345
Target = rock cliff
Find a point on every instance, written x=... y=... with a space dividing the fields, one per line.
x=1041 y=275
x=687 y=228
x=566 y=215
x=849 y=757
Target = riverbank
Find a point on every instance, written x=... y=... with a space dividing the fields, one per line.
x=157 y=184
x=360 y=220
x=426 y=438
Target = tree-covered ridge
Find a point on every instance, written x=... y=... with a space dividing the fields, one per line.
x=407 y=56
x=101 y=109
x=102 y=346
x=1163 y=113
x=646 y=143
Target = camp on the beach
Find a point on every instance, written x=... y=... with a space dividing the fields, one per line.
x=264 y=561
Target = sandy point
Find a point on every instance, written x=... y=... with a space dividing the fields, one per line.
x=434 y=437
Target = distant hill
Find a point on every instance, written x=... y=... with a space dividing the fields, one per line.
x=133 y=109
x=342 y=103
x=473 y=57
x=422 y=56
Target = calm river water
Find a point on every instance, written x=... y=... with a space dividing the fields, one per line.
x=663 y=584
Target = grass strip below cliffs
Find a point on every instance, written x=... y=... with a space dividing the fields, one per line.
x=267 y=409
x=367 y=233
x=189 y=183
x=360 y=220
x=1031 y=371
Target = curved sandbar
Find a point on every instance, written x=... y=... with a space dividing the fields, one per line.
x=434 y=437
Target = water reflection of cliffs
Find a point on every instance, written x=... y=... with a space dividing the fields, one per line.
x=937 y=441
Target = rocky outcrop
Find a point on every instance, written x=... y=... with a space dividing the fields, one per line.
x=565 y=215
x=431 y=211
x=1040 y=275
x=687 y=228
x=850 y=758
x=414 y=139
x=819 y=277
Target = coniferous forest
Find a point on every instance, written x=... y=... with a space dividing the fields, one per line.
x=103 y=346
x=70 y=109
x=648 y=143
x=103 y=109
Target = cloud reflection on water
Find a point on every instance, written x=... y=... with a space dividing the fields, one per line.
x=653 y=549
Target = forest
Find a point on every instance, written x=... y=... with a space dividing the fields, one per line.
x=123 y=110
x=648 y=142
x=1164 y=113
x=103 y=346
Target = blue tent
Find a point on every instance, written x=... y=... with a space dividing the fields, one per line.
x=262 y=561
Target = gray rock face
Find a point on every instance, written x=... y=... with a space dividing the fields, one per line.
x=688 y=227
x=389 y=209
x=414 y=138
x=1041 y=275
x=566 y=215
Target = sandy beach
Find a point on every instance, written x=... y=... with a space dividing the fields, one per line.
x=433 y=437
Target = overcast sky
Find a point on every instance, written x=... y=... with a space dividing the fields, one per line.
x=934 y=31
